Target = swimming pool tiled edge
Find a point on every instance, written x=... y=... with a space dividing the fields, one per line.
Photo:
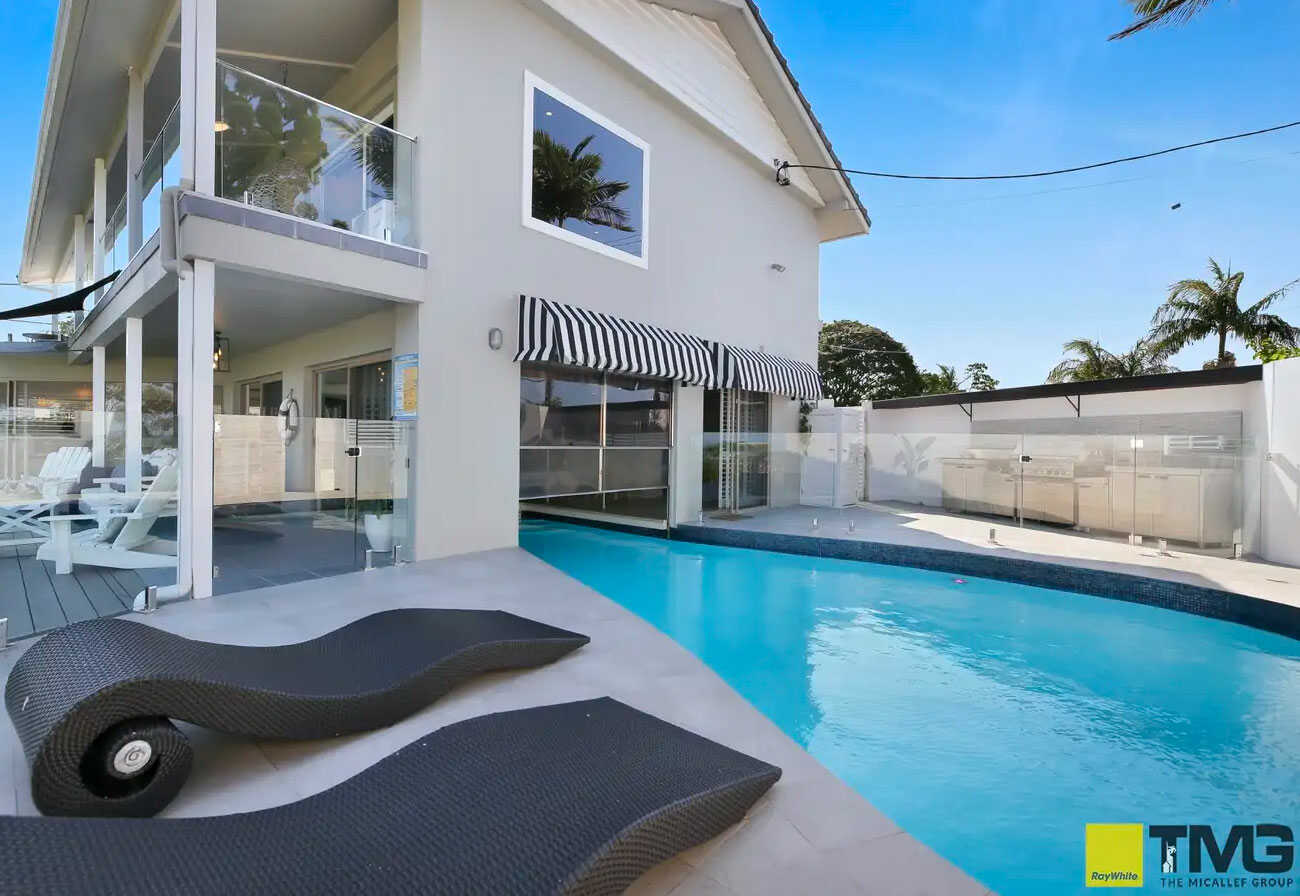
x=1213 y=602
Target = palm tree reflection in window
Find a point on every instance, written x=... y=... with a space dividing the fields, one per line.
x=567 y=186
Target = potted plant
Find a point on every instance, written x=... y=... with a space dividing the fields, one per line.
x=377 y=518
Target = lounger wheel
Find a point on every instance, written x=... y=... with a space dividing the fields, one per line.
x=143 y=761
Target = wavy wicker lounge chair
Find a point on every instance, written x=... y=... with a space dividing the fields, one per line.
x=92 y=701
x=577 y=798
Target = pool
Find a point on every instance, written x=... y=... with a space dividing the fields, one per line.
x=989 y=720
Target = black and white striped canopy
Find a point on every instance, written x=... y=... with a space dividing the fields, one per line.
x=565 y=334
x=742 y=368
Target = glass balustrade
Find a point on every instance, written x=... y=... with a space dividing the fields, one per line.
x=287 y=152
x=160 y=170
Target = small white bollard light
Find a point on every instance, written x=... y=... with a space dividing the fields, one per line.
x=150 y=599
x=699 y=518
x=993 y=535
x=816 y=524
x=1237 y=551
x=853 y=525
x=1162 y=546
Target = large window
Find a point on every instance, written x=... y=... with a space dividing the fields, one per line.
x=590 y=441
x=585 y=178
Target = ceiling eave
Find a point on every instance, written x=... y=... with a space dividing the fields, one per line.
x=67 y=30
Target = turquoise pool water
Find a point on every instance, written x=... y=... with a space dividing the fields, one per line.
x=990 y=720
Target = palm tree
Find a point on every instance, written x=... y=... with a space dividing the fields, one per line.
x=567 y=184
x=1092 y=362
x=941 y=382
x=1196 y=309
x=1160 y=12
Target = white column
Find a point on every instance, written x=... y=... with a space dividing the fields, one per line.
x=196 y=299
x=134 y=402
x=199 y=472
x=199 y=93
x=100 y=217
x=134 y=156
x=78 y=257
x=98 y=423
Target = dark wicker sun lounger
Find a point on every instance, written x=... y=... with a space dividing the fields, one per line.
x=91 y=702
x=578 y=798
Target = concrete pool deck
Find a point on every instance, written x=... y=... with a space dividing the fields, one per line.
x=925 y=527
x=810 y=834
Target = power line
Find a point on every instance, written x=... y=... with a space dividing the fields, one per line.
x=783 y=167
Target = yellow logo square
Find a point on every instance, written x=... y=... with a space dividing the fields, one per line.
x=1113 y=855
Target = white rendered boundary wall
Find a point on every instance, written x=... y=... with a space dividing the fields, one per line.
x=1270 y=452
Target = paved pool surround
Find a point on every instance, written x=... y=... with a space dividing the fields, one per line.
x=811 y=833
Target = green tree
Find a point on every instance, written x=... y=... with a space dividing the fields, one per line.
x=858 y=362
x=567 y=184
x=940 y=382
x=1197 y=309
x=1149 y=13
x=1087 y=360
x=270 y=147
x=979 y=379
x=1267 y=350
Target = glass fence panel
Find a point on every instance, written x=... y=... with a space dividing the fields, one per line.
x=116 y=250
x=310 y=497
x=160 y=170
x=79 y=537
x=1187 y=489
x=285 y=151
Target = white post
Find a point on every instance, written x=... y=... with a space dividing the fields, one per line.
x=134 y=158
x=100 y=217
x=200 y=460
x=78 y=257
x=134 y=402
x=196 y=299
x=98 y=423
x=199 y=93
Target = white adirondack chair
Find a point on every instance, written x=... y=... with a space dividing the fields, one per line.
x=123 y=542
x=60 y=472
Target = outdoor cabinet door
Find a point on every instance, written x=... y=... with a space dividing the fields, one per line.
x=1122 y=486
x=1094 y=504
x=1150 y=500
x=954 y=486
x=999 y=493
x=1180 y=507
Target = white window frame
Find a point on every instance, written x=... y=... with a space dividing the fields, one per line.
x=532 y=83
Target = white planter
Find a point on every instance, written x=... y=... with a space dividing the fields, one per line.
x=379 y=531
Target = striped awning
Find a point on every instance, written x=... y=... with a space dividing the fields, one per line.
x=565 y=334
x=743 y=368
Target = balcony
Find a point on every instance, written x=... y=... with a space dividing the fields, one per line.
x=282 y=150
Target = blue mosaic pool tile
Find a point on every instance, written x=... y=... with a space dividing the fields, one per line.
x=1199 y=600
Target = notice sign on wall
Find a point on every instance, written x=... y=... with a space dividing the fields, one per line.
x=406 y=387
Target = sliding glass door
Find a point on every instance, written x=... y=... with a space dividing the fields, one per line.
x=594 y=442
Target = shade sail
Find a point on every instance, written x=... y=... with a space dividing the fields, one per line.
x=742 y=368
x=566 y=334
x=73 y=301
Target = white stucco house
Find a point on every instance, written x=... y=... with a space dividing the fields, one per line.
x=442 y=255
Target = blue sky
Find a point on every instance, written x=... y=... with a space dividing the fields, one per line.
x=998 y=272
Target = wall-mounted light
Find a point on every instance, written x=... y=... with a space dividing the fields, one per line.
x=778 y=267
x=220 y=353
x=221 y=127
x=496 y=339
